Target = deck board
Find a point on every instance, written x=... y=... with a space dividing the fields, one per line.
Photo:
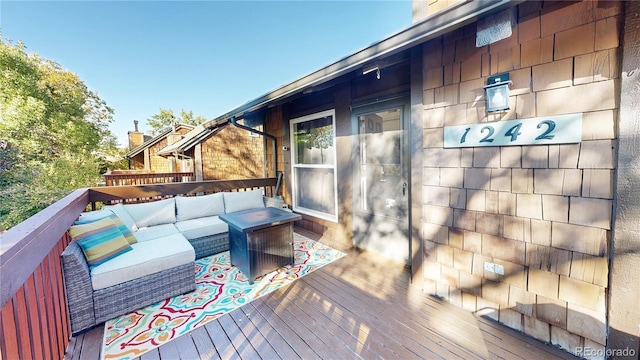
x=417 y=328
x=341 y=331
x=204 y=344
x=382 y=323
x=91 y=345
x=169 y=351
x=282 y=327
x=221 y=340
x=360 y=307
x=367 y=339
x=151 y=355
x=186 y=347
x=285 y=351
x=253 y=335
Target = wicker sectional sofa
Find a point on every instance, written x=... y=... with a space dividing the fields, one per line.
x=169 y=235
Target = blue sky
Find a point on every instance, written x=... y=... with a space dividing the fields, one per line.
x=204 y=56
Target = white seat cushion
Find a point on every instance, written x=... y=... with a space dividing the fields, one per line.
x=194 y=207
x=155 y=232
x=197 y=228
x=243 y=200
x=146 y=258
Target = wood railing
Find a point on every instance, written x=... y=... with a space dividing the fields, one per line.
x=153 y=192
x=33 y=317
x=34 y=322
x=126 y=178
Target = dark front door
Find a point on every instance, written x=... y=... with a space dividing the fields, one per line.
x=381 y=186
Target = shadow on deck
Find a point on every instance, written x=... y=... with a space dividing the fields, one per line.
x=361 y=306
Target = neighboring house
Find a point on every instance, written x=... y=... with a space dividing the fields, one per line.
x=219 y=150
x=143 y=153
x=540 y=229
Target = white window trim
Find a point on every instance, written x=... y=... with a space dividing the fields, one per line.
x=294 y=166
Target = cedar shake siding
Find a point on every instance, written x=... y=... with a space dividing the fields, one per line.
x=542 y=213
x=232 y=153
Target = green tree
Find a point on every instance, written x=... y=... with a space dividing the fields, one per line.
x=322 y=138
x=165 y=118
x=54 y=134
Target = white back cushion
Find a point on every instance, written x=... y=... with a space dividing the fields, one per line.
x=91 y=216
x=153 y=213
x=193 y=207
x=155 y=232
x=120 y=212
x=243 y=200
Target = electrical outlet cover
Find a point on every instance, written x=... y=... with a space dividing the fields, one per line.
x=489 y=266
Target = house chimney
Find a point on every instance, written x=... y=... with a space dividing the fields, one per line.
x=136 y=138
x=174 y=136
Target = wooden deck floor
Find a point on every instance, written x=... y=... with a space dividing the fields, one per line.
x=358 y=307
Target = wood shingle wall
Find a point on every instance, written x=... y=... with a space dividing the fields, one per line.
x=149 y=160
x=542 y=212
x=159 y=163
x=232 y=154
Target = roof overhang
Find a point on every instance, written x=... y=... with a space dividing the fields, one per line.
x=192 y=138
x=140 y=148
x=456 y=16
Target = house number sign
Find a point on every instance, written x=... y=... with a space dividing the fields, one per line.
x=559 y=129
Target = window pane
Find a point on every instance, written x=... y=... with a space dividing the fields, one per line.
x=314 y=141
x=382 y=179
x=315 y=189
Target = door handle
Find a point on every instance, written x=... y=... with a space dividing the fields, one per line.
x=404 y=187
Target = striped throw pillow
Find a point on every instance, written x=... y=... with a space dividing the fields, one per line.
x=99 y=215
x=100 y=241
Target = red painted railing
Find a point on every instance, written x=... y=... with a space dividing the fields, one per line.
x=33 y=309
x=34 y=322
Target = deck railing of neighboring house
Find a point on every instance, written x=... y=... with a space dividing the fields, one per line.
x=128 y=178
x=33 y=317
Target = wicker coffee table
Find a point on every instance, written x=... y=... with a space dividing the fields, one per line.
x=260 y=240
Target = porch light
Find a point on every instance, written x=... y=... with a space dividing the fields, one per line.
x=372 y=68
x=497 y=93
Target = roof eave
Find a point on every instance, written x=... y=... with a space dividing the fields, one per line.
x=138 y=149
x=190 y=140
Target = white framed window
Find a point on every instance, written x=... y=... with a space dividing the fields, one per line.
x=313 y=159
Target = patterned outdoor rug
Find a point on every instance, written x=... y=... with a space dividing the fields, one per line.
x=220 y=288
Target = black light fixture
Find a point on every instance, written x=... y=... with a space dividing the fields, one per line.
x=497 y=93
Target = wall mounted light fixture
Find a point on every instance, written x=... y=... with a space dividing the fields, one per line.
x=372 y=68
x=497 y=92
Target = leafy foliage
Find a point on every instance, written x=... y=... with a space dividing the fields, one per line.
x=166 y=118
x=54 y=134
x=322 y=138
